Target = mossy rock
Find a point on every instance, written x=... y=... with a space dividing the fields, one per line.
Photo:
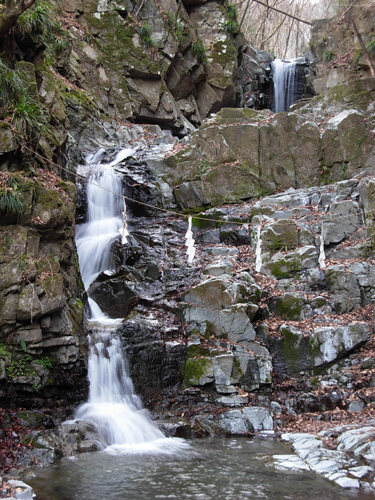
x=281 y=235
x=290 y=306
x=196 y=350
x=32 y=419
x=291 y=352
x=199 y=371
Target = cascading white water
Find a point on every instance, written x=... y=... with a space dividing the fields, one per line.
x=112 y=405
x=284 y=76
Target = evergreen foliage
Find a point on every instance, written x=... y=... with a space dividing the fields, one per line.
x=18 y=104
x=145 y=34
x=41 y=20
x=232 y=25
x=200 y=52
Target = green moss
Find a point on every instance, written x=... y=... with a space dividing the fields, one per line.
x=210 y=329
x=290 y=348
x=49 y=198
x=195 y=369
x=361 y=140
x=237 y=367
x=354 y=93
x=314 y=347
x=206 y=224
x=30 y=418
x=224 y=52
x=79 y=97
x=284 y=268
x=197 y=350
x=289 y=307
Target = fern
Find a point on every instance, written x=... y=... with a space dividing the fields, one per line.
x=145 y=34
x=22 y=343
x=27 y=116
x=11 y=203
x=200 y=52
x=39 y=18
x=12 y=83
x=232 y=12
x=232 y=26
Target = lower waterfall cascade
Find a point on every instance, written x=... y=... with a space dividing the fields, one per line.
x=123 y=425
x=284 y=79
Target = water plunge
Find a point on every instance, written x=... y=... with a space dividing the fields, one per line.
x=284 y=81
x=113 y=406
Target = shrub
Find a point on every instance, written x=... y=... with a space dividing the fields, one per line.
x=328 y=55
x=200 y=52
x=145 y=34
x=41 y=19
x=232 y=25
x=18 y=104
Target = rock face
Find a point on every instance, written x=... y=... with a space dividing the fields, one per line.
x=242 y=154
x=41 y=314
x=329 y=44
x=169 y=63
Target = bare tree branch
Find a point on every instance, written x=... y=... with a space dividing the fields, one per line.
x=362 y=45
x=273 y=33
x=282 y=12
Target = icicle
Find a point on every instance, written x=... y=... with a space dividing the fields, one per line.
x=124 y=231
x=190 y=242
x=258 y=251
x=322 y=256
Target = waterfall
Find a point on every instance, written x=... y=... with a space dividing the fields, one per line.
x=123 y=426
x=284 y=82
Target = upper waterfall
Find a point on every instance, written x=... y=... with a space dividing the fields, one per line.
x=284 y=80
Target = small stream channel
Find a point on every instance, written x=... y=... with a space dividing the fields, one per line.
x=213 y=468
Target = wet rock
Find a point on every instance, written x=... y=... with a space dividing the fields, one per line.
x=359 y=441
x=6 y=138
x=22 y=490
x=234 y=423
x=178 y=427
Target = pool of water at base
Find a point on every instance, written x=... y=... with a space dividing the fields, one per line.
x=213 y=469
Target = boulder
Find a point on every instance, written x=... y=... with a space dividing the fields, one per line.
x=199 y=371
x=260 y=418
x=344 y=288
x=329 y=343
x=286 y=265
